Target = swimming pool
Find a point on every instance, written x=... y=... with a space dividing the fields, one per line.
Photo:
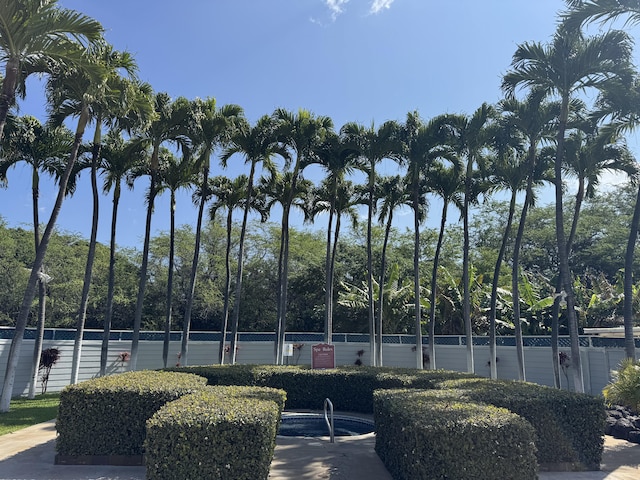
x=314 y=425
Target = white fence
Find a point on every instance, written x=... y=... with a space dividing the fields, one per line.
x=599 y=356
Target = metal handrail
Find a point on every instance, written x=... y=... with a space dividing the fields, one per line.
x=329 y=418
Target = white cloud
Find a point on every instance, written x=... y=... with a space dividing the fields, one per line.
x=379 y=5
x=336 y=7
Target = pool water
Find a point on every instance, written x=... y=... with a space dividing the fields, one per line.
x=314 y=425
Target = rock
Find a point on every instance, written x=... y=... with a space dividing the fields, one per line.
x=634 y=436
x=622 y=428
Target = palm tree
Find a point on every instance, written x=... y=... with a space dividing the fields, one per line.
x=37 y=36
x=215 y=127
x=586 y=11
x=173 y=122
x=230 y=195
x=106 y=102
x=393 y=194
x=257 y=144
x=280 y=188
x=471 y=138
x=302 y=134
x=56 y=97
x=509 y=172
x=570 y=64
x=373 y=146
x=447 y=183
x=338 y=160
x=44 y=149
x=423 y=145
x=531 y=121
x=174 y=174
x=119 y=159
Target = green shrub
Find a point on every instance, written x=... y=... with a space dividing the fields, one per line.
x=349 y=388
x=218 y=433
x=107 y=415
x=221 y=374
x=625 y=388
x=569 y=426
x=426 y=434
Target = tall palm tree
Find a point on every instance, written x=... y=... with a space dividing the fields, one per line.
x=230 y=195
x=570 y=64
x=508 y=172
x=37 y=36
x=393 y=194
x=302 y=134
x=21 y=321
x=447 y=183
x=174 y=175
x=214 y=128
x=44 y=149
x=106 y=103
x=338 y=160
x=423 y=145
x=532 y=121
x=119 y=159
x=257 y=144
x=280 y=188
x=173 y=122
x=470 y=139
x=374 y=145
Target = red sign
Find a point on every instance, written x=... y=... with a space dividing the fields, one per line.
x=323 y=355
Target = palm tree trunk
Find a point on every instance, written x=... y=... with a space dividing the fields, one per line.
x=30 y=291
x=332 y=273
x=227 y=293
x=434 y=285
x=515 y=269
x=186 y=325
x=8 y=93
x=284 y=296
x=328 y=293
x=416 y=280
x=629 y=342
x=563 y=255
x=37 y=346
x=86 y=284
x=235 y=321
x=169 y=306
x=383 y=268
x=372 y=324
x=466 y=302
x=142 y=282
x=276 y=343
x=494 y=291
x=104 y=351
x=42 y=289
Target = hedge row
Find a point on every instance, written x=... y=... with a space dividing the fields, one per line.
x=426 y=434
x=349 y=388
x=218 y=433
x=569 y=426
x=107 y=415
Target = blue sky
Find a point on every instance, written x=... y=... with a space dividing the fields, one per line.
x=352 y=60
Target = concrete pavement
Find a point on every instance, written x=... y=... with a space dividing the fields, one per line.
x=29 y=454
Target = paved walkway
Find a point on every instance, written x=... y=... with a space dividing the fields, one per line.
x=29 y=453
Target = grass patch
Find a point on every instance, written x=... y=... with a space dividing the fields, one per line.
x=24 y=412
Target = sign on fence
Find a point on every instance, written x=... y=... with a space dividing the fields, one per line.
x=323 y=355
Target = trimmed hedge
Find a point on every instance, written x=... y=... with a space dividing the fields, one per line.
x=426 y=434
x=569 y=426
x=218 y=433
x=349 y=388
x=107 y=415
